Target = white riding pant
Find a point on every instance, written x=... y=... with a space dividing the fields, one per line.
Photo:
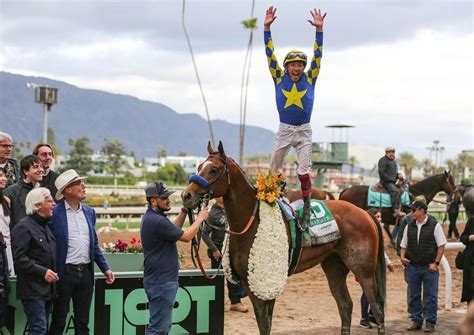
x=298 y=137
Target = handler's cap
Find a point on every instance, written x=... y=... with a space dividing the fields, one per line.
x=389 y=149
x=421 y=198
x=417 y=204
x=157 y=190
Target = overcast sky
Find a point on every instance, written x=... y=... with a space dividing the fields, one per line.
x=401 y=72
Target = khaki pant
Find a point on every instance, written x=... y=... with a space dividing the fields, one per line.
x=298 y=137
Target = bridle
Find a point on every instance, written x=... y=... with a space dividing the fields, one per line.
x=450 y=187
x=203 y=202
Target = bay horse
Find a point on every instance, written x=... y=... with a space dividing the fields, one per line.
x=316 y=193
x=360 y=248
x=427 y=187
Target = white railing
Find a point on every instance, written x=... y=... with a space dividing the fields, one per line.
x=448 y=274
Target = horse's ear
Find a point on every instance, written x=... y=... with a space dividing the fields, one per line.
x=446 y=173
x=220 y=147
x=210 y=149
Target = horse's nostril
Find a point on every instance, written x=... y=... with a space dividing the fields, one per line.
x=186 y=195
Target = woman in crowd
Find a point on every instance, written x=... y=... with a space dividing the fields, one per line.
x=6 y=260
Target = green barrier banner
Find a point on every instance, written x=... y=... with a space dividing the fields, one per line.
x=121 y=308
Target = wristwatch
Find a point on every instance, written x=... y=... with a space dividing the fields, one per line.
x=436 y=262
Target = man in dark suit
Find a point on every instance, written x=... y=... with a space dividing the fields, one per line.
x=77 y=249
x=34 y=254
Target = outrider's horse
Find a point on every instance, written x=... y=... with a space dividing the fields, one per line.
x=316 y=193
x=360 y=248
x=428 y=187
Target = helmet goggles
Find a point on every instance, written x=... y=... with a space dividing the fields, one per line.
x=295 y=56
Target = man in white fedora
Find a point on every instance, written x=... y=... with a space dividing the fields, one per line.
x=73 y=225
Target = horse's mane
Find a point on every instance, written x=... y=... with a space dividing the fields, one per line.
x=425 y=185
x=249 y=182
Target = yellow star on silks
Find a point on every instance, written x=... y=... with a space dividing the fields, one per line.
x=294 y=96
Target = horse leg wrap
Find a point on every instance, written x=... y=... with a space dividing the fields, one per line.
x=305 y=181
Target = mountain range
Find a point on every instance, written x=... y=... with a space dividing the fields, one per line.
x=143 y=127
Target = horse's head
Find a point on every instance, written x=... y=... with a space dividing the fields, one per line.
x=449 y=186
x=211 y=180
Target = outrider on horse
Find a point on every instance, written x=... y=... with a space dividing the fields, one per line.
x=360 y=248
x=428 y=187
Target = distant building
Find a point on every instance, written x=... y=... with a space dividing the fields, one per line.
x=188 y=163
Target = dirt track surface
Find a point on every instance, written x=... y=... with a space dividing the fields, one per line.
x=307 y=307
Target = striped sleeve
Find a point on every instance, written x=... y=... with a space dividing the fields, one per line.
x=273 y=66
x=313 y=71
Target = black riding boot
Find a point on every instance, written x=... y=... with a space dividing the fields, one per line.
x=306 y=213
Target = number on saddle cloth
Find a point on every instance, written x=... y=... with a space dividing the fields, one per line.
x=322 y=227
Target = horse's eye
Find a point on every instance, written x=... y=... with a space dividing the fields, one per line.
x=214 y=170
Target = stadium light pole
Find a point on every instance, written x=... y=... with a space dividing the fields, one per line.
x=47 y=96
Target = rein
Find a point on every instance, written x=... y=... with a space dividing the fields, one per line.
x=204 y=199
x=196 y=243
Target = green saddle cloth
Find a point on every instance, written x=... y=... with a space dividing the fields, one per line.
x=322 y=227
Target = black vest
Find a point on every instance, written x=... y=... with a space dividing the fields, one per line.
x=422 y=252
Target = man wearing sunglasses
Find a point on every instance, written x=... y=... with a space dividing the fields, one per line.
x=12 y=171
x=422 y=248
x=294 y=90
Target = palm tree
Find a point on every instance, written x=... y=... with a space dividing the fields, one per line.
x=428 y=167
x=465 y=163
x=352 y=162
x=453 y=167
x=408 y=161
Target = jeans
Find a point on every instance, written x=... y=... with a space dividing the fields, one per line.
x=364 y=307
x=419 y=277
x=394 y=192
x=161 y=299
x=37 y=313
x=77 y=285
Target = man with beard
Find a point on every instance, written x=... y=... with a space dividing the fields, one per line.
x=45 y=152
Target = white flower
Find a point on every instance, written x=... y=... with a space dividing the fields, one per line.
x=226 y=261
x=268 y=258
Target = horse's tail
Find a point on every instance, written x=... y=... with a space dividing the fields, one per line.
x=381 y=271
x=330 y=195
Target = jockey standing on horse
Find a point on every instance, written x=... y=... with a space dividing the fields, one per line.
x=388 y=172
x=294 y=90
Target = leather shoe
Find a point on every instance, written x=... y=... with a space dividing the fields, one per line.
x=414 y=326
x=239 y=307
x=429 y=329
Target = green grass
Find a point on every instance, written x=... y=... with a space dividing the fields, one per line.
x=131 y=225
